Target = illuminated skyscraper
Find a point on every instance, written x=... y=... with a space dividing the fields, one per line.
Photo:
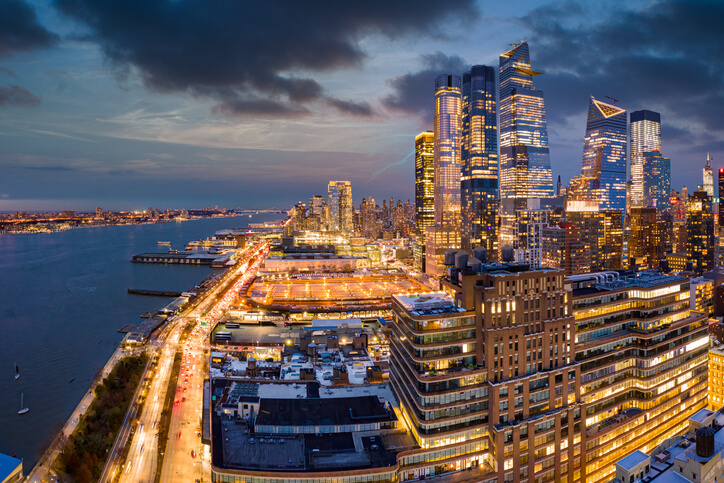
x=656 y=177
x=340 y=206
x=721 y=195
x=604 y=155
x=645 y=137
x=424 y=183
x=525 y=165
x=447 y=150
x=479 y=158
x=700 y=241
x=708 y=176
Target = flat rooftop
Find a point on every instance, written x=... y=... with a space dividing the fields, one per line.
x=634 y=459
x=322 y=412
x=430 y=303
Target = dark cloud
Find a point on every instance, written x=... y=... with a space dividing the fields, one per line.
x=413 y=93
x=20 y=30
x=8 y=72
x=351 y=107
x=210 y=48
x=665 y=56
x=13 y=95
x=49 y=168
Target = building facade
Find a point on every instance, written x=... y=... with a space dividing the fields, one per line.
x=643 y=362
x=656 y=181
x=645 y=138
x=424 y=183
x=341 y=207
x=603 y=169
x=447 y=137
x=479 y=158
x=700 y=241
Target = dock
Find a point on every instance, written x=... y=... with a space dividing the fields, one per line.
x=156 y=293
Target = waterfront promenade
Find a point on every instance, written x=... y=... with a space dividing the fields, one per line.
x=44 y=471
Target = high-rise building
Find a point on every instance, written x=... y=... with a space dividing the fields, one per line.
x=558 y=186
x=656 y=180
x=643 y=360
x=479 y=158
x=525 y=166
x=645 y=247
x=485 y=372
x=447 y=136
x=721 y=195
x=645 y=138
x=700 y=241
x=708 y=177
x=529 y=228
x=340 y=205
x=424 y=184
x=604 y=155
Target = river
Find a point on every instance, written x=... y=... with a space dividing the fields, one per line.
x=63 y=296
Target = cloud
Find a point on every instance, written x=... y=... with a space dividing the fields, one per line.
x=245 y=54
x=13 y=95
x=20 y=30
x=659 y=57
x=8 y=72
x=413 y=93
x=49 y=168
x=351 y=107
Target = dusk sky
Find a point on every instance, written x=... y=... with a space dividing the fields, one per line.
x=124 y=104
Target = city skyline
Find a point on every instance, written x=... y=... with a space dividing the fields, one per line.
x=90 y=116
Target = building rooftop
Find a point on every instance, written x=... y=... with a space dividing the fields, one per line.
x=643 y=280
x=8 y=465
x=633 y=460
x=316 y=412
x=428 y=303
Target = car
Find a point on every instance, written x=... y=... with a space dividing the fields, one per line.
x=179 y=435
x=193 y=454
x=183 y=399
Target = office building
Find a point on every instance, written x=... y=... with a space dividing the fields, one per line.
x=716 y=376
x=424 y=184
x=529 y=228
x=656 y=181
x=438 y=239
x=720 y=195
x=525 y=166
x=643 y=359
x=645 y=138
x=341 y=207
x=447 y=136
x=600 y=236
x=708 y=177
x=479 y=158
x=645 y=248
x=604 y=156
x=700 y=241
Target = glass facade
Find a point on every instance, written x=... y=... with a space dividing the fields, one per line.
x=447 y=149
x=479 y=158
x=525 y=170
x=604 y=155
x=340 y=206
x=645 y=137
x=656 y=179
x=424 y=183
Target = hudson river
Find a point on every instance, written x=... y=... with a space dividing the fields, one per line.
x=62 y=299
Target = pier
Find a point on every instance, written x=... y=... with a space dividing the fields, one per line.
x=155 y=293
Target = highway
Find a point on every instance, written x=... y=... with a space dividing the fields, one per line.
x=141 y=463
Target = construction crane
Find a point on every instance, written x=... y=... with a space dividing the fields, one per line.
x=613 y=100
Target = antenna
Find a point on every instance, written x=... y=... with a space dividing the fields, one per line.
x=614 y=100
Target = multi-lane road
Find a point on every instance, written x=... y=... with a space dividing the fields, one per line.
x=184 y=437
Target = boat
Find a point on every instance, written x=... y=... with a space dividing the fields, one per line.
x=22 y=409
x=164 y=243
x=17 y=372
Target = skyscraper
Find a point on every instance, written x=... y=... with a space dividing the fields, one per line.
x=604 y=155
x=340 y=206
x=447 y=150
x=645 y=137
x=525 y=165
x=479 y=158
x=700 y=241
x=721 y=195
x=424 y=183
x=708 y=176
x=656 y=180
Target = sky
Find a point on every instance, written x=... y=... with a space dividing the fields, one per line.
x=126 y=104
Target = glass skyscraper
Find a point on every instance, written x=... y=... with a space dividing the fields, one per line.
x=645 y=137
x=525 y=165
x=424 y=183
x=656 y=180
x=447 y=150
x=708 y=177
x=479 y=158
x=604 y=155
x=340 y=206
